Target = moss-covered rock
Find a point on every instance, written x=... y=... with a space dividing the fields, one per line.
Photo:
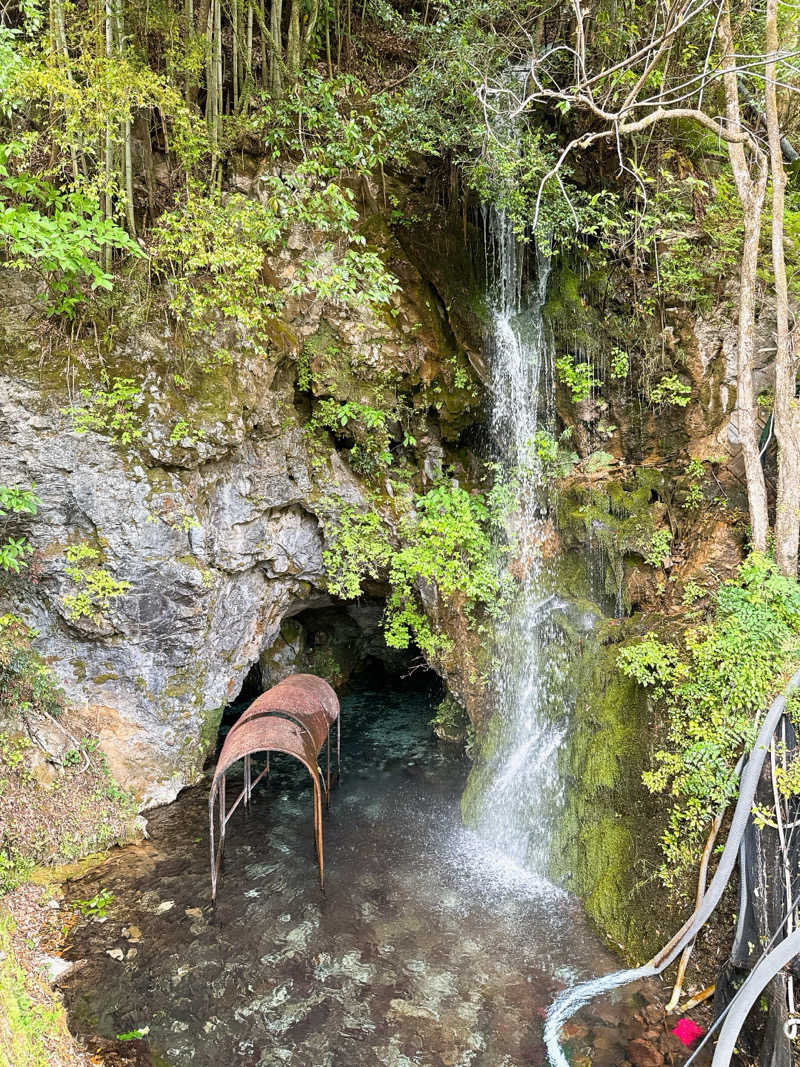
x=607 y=840
x=616 y=518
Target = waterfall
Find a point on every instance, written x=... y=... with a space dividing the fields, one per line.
x=513 y=794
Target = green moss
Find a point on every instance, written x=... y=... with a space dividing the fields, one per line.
x=619 y=516
x=209 y=728
x=79 y=669
x=608 y=836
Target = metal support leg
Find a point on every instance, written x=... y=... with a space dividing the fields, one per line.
x=213 y=854
x=318 y=830
x=222 y=818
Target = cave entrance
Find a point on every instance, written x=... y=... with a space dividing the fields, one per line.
x=343 y=643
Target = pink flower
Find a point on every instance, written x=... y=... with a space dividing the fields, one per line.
x=687 y=1031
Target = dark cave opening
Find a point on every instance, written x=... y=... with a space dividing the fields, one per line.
x=342 y=642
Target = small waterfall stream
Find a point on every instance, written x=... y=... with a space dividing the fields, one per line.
x=513 y=795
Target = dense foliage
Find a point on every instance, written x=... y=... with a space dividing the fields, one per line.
x=448 y=549
x=713 y=685
x=26 y=683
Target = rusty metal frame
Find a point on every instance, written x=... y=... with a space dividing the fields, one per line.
x=294 y=717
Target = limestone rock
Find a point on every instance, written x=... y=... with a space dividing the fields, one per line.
x=212 y=516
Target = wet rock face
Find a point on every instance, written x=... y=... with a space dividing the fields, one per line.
x=212 y=515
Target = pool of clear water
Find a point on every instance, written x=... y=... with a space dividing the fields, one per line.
x=425 y=948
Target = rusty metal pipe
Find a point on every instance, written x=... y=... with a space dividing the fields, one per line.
x=294 y=717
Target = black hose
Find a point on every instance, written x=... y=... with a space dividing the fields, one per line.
x=748 y=994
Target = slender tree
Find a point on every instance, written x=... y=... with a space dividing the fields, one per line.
x=787 y=408
x=642 y=89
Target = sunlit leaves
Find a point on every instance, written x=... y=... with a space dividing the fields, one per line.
x=713 y=689
x=15 y=501
x=57 y=234
x=447 y=549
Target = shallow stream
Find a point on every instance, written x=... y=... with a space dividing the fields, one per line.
x=426 y=948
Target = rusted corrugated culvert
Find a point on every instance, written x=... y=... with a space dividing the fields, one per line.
x=296 y=717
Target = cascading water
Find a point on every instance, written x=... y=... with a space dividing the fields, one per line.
x=513 y=794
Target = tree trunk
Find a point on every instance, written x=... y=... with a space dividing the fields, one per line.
x=216 y=170
x=127 y=161
x=308 y=32
x=149 y=170
x=235 y=54
x=787 y=410
x=61 y=49
x=293 y=40
x=188 y=20
x=275 y=20
x=752 y=190
x=265 y=75
x=108 y=158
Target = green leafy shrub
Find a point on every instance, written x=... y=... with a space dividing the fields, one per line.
x=366 y=425
x=34 y=1022
x=658 y=550
x=578 y=377
x=447 y=544
x=96 y=907
x=695 y=474
x=358 y=548
x=15 y=501
x=620 y=364
x=26 y=683
x=714 y=686
x=670 y=391
x=554 y=456
x=111 y=411
x=211 y=251
x=57 y=234
x=322 y=124
x=97 y=587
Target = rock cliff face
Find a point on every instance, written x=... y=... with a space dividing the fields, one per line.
x=214 y=514
x=207 y=493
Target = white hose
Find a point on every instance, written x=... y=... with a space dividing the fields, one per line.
x=570 y=1000
x=749 y=993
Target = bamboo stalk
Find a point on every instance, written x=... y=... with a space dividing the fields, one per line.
x=127 y=161
x=108 y=162
x=216 y=170
x=328 y=38
x=262 y=29
x=235 y=55
x=188 y=17
x=60 y=44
